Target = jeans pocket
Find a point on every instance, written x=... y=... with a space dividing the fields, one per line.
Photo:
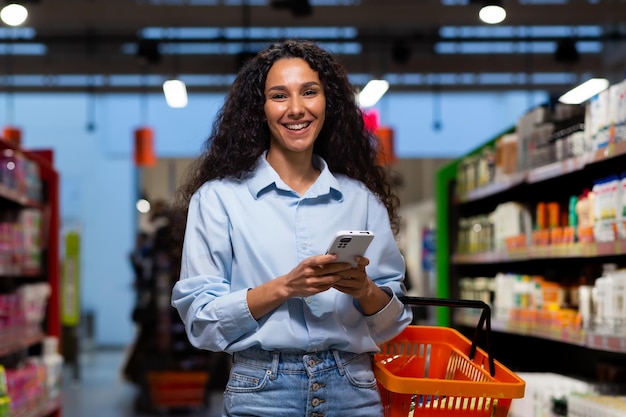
x=359 y=371
x=247 y=378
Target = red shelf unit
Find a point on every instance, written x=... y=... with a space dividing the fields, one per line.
x=50 y=268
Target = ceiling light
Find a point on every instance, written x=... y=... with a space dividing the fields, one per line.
x=492 y=13
x=175 y=93
x=13 y=14
x=142 y=205
x=372 y=92
x=584 y=91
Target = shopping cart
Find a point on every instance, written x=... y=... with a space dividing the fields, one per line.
x=436 y=371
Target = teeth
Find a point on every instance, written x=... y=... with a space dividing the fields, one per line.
x=298 y=126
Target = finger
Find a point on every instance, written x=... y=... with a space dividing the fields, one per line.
x=343 y=287
x=335 y=268
x=362 y=261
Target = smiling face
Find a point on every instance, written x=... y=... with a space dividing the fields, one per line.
x=295 y=105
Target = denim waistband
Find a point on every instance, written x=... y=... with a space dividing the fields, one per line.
x=312 y=362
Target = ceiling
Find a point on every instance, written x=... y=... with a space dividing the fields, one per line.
x=101 y=45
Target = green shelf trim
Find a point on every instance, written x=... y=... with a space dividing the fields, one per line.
x=442 y=203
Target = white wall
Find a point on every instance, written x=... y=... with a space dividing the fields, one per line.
x=98 y=178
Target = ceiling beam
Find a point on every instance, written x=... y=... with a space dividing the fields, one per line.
x=67 y=15
x=364 y=63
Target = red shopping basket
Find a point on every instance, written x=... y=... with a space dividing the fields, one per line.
x=172 y=389
x=436 y=371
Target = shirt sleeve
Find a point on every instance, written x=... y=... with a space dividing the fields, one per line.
x=213 y=316
x=387 y=269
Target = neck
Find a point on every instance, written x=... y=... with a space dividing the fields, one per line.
x=295 y=169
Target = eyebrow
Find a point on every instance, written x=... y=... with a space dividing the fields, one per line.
x=305 y=85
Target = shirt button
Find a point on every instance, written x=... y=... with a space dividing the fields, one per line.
x=303 y=246
x=308 y=300
x=315 y=386
x=315 y=402
x=311 y=363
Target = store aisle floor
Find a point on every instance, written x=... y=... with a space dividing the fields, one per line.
x=100 y=390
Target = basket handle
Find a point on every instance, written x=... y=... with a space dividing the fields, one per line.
x=485 y=319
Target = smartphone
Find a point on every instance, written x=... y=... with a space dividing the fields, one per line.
x=347 y=244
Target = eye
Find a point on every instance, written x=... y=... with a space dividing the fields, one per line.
x=310 y=92
x=278 y=96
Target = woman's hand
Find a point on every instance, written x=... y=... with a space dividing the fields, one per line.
x=314 y=275
x=311 y=276
x=356 y=283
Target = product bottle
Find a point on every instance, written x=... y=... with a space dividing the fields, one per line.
x=572 y=218
x=583 y=216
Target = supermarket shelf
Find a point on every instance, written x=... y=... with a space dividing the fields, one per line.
x=493 y=188
x=557 y=169
x=38 y=190
x=546 y=172
x=14 y=196
x=564 y=251
x=15 y=340
x=609 y=152
x=591 y=340
x=42 y=410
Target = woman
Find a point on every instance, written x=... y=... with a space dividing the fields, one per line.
x=289 y=163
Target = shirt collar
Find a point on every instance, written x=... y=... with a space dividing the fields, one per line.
x=265 y=177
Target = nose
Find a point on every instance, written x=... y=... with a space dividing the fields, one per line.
x=296 y=107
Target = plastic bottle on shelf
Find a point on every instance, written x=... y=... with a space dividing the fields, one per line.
x=596 y=205
x=618 y=294
x=504 y=298
x=613 y=204
x=606 y=205
x=541 y=216
x=585 y=216
x=603 y=301
x=621 y=208
x=585 y=306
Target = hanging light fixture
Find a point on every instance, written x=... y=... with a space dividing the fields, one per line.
x=372 y=92
x=585 y=91
x=175 y=93
x=492 y=12
x=13 y=14
x=144 y=147
x=12 y=134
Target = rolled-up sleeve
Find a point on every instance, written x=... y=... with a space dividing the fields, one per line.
x=387 y=269
x=213 y=316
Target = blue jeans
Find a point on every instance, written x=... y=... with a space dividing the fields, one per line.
x=325 y=384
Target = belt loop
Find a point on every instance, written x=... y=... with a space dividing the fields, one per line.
x=274 y=368
x=338 y=361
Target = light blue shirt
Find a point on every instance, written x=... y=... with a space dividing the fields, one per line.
x=243 y=233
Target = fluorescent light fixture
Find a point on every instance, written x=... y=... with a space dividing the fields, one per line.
x=13 y=14
x=372 y=92
x=142 y=205
x=175 y=93
x=584 y=91
x=492 y=13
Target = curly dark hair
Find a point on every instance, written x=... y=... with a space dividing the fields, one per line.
x=240 y=132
